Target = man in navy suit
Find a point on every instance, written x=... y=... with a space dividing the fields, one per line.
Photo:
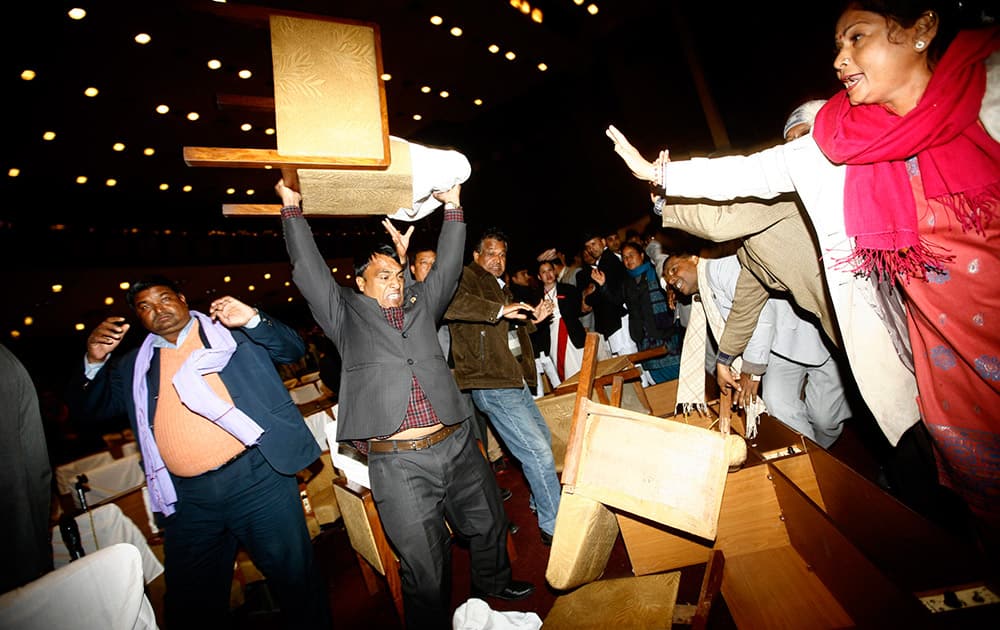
x=221 y=441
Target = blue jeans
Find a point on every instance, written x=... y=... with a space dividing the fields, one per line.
x=516 y=418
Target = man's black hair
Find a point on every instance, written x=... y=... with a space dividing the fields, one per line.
x=363 y=259
x=141 y=285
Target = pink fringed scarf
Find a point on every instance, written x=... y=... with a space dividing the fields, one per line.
x=959 y=162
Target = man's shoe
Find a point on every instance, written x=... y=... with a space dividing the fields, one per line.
x=546 y=539
x=505 y=494
x=515 y=590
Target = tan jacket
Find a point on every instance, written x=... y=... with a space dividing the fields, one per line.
x=778 y=253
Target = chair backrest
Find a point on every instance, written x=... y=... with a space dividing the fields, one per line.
x=355 y=501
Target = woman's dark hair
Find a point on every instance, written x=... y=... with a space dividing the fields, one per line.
x=638 y=248
x=547 y=261
x=364 y=258
x=952 y=16
x=139 y=286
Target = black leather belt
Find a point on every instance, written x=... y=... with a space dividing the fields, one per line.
x=393 y=446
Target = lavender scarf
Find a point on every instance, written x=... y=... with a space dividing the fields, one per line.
x=196 y=395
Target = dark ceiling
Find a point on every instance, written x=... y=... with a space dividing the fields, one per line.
x=542 y=169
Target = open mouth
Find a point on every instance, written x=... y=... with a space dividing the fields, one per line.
x=851 y=80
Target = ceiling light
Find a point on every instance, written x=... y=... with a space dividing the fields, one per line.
x=268 y=167
x=436 y=20
x=28 y=75
x=543 y=67
x=333 y=270
x=246 y=126
x=456 y=31
x=162 y=109
x=226 y=279
x=57 y=288
x=417 y=117
x=29 y=320
x=118 y=146
x=109 y=301
x=193 y=116
x=49 y=135
x=592 y=9
x=143 y=38
x=14 y=172
x=493 y=48
x=287 y=283
x=82 y=179
x=12 y=334
x=148 y=151
x=525 y=8
x=164 y=186
x=478 y=101
x=79 y=327
x=17 y=333
x=578 y=2
x=444 y=94
x=251 y=288
x=536 y=15
x=111 y=182
x=124 y=286
x=244 y=74
x=269 y=131
x=426 y=89
x=267 y=276
x=77 y=14
x=250 y=191
x=386 y=76
x=91 y=92
x=510 y=55
x=214 y=64
x=230 y=191
x=187 y=188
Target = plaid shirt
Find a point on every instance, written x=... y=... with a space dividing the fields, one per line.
x=419 y=412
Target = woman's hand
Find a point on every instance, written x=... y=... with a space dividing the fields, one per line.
x=639 y=166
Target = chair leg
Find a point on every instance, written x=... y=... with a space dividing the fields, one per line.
x=709 y=588
x=395 y=588
x=371 y=581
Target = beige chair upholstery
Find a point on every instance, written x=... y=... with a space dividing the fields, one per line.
x=581 y=545
x=364 y=528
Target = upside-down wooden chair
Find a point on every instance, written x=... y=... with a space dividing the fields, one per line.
x=596 y=483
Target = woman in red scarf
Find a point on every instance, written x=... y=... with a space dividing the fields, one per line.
x=921 y=199
x=901 y=179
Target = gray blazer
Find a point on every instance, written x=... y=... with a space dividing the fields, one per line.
x=778 y=253
x=379 y=362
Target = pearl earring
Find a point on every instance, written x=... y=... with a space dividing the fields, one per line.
x=920 y=44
